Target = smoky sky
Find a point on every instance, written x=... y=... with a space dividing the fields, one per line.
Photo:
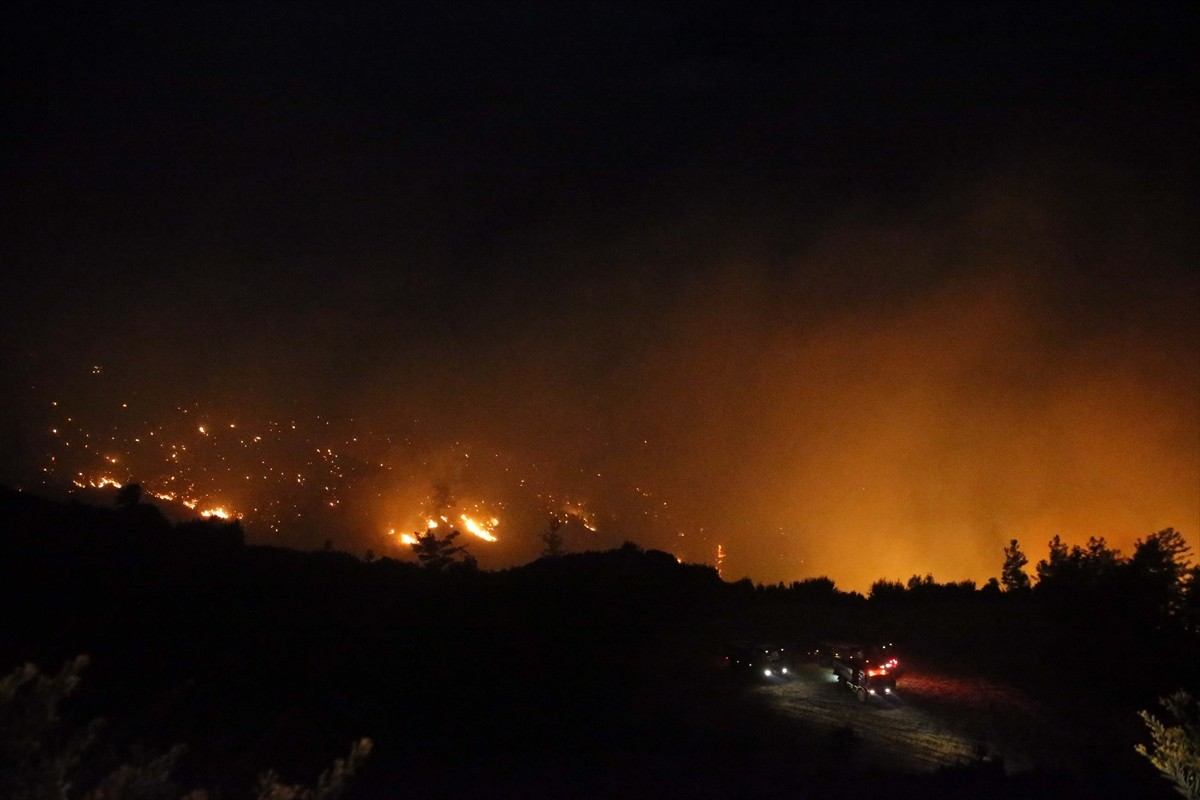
x=856 y=292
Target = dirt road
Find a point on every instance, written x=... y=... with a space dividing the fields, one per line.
x=931 y=721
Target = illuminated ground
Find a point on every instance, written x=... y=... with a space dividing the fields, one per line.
x=933 y=721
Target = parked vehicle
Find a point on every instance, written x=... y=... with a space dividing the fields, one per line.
x=866 y=669
x=886 y=655
x=762 y=658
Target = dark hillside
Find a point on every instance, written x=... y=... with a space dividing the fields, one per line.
x=585 y=675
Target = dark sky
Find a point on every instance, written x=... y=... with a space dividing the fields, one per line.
x=848 y=291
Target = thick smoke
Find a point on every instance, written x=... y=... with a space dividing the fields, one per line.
x=867 y=392
x=896 y=392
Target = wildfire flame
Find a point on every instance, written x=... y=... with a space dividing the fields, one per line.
x=405 y=538
x=482 y=530
x=98 y=483
x=105 y=482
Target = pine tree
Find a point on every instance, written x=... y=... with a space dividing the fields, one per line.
x=438 y=553
x=1175 y=750
x=552 y=538
x=1013 y=575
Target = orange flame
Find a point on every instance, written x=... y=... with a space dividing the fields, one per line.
x=482 y=530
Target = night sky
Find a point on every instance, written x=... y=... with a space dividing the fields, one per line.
x=844 y=291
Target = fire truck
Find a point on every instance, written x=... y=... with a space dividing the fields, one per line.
x=867 y=671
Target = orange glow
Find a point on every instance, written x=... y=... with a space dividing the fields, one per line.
x=858 y=440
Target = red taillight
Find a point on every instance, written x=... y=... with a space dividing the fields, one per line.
x=874 y=672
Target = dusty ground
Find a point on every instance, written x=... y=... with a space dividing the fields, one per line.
x=931 y=721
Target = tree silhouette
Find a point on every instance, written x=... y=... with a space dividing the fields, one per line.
x=1164 y=553
x=820 y=588
x=1079 y=569
x=552 y=539
x=1055 y=564
x=1013 y=575
x=886 y=591
x=916 y=582
x=1157 y=571
x=438 y=553
x=1156 y=577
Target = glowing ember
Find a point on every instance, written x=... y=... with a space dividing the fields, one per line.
x=564 y=513
x=303 y=478
x=98 y=483
x=574 y=511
